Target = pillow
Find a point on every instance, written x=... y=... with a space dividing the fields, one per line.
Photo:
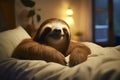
x=10 y=39
x=95 y=48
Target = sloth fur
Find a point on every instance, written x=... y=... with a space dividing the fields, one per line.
x=52 y=43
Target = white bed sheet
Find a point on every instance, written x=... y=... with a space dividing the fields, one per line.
x=102 y=64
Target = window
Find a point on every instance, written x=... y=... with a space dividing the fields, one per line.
x=102 y=22
x=116 y=14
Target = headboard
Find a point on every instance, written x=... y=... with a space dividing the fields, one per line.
x=7 y=14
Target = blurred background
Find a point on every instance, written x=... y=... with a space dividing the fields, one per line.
x=96 y=21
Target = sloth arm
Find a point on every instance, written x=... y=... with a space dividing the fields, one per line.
x=31 y=50
x=78 y=53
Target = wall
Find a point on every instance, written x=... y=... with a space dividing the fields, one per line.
x=80 y=20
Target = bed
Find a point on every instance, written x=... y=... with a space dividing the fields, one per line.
x=102 y=64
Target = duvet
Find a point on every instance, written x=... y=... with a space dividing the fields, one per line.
x=102 y=64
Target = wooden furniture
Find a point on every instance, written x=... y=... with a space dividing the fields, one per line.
x=7 y=14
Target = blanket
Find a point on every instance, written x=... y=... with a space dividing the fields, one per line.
x=102 y=64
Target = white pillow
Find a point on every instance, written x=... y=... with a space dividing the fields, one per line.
x=10 y=39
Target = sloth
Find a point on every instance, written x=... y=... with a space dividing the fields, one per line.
x=52 y=43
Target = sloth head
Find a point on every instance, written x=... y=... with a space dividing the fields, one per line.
x=55 y=33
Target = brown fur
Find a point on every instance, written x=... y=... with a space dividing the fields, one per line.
x=38 y=49
x=29 y=49
x=78 y=53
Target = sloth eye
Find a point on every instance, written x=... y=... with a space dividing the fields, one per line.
x=65 y=30
x=47 y=30
x=44 y=34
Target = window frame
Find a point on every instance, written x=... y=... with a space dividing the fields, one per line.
x=110 y=41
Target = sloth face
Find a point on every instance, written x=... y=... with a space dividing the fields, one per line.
x=56 y=30
x=54 y=33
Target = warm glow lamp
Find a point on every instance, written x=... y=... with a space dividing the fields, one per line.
x=69 y=12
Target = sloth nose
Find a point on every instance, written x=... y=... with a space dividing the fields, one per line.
x=57 y=31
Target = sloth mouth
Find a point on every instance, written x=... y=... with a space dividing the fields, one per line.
x=57 y=36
